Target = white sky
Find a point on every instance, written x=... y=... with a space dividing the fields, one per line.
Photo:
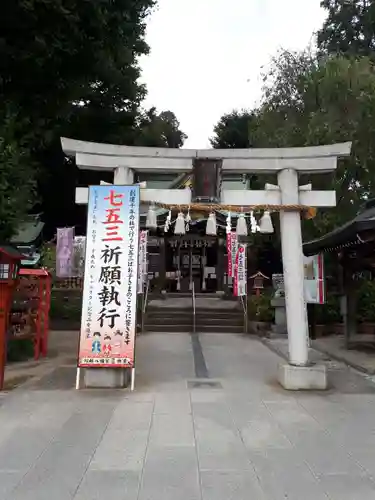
x=207 y=55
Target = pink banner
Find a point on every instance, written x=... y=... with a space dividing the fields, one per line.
x=64 y=252
x=231 y=250
x=234 y=251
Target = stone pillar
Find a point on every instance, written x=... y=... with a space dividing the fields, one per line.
x=297 y=375
x=291 y=244
x=278 y=303
x=123 y=176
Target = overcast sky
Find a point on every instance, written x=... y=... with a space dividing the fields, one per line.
x=207 y=55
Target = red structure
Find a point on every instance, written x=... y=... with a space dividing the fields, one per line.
x=10 y=260
x=30 y=311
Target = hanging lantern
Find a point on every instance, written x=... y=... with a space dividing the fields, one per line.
x=187 y=220
x=179 y=227
x=168 y=222
x=265 y=224
x=253 y=223
x=151 y=220
x=241 y=228
x=229 y=223
x=211 y=225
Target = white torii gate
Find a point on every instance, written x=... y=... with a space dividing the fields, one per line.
x=124 y=161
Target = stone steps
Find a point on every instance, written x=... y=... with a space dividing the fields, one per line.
x=218 y=319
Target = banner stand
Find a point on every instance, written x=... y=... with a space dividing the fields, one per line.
x=108 y=322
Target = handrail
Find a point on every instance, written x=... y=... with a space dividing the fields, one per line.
x=144 y=305
x=193 y=304
x=243 y=299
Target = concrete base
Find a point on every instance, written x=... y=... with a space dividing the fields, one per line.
x=297 y=378
x=106 y=378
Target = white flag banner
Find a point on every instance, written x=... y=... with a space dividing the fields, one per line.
x=142 y=262
x=240 y=272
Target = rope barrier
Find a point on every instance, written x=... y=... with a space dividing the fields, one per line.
x=207 y=208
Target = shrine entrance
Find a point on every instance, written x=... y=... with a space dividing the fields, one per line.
x=209 y=195
x=192 y=260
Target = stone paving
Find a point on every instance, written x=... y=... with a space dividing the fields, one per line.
x=207 y=422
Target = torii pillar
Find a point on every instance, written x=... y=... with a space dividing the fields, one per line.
x=287 y=163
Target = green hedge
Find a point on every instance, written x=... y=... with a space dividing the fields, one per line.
x=259 y=308
x=20 y=350
x=66 y=305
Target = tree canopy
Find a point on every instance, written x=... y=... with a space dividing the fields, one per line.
x=309 y=100
x=69 y=67
x=349 y=27
x=234 y=130
x=159 y=130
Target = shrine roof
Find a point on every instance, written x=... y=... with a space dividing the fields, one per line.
x=347 y=235
x=11 y=252
x=34 y=272
x=28 y=231
x=259 y=274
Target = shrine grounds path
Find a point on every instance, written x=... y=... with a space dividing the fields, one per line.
x=207 y=422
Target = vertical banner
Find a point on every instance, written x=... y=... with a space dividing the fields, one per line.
x=234 y=251
x=108 y=321
x=231 y=251
x=314 y=284
x=240 y=274
x=142 y=262
x=64 y=252
x=79 y=248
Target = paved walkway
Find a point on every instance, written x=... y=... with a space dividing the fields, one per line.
x=207 y=422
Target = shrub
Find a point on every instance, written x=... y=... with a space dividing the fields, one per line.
x=259 y=308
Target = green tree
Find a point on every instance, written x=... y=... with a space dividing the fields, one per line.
x=349 y=27
x=234 y=130
x=67 y=67
x=159 y=130
x=309 y=100
x=56 y=53
x=17 y=186
x=312 y=101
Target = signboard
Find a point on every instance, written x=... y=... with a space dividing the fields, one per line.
x=64 y=252
x=142 y=262
x=240 y=274
x=206 y=183
x=108 y=321
x=314 y=279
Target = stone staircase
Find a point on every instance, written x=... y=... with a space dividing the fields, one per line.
x=175 y=314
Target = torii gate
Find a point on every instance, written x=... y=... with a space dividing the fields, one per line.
x=287 y=163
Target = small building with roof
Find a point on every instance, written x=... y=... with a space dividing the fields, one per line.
x=353 y=243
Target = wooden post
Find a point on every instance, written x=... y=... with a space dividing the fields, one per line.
x=312 y=320
x=220 y=267
x=350 y=309
x=162 y=264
